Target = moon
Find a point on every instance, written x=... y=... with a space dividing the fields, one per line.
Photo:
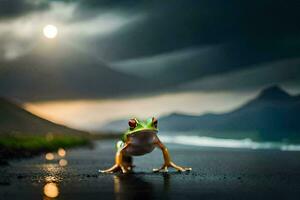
x=50 y=31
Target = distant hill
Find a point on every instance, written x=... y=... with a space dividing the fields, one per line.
x=273 y=114
x=14 y=119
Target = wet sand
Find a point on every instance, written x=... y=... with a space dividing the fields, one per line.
x=217 y=174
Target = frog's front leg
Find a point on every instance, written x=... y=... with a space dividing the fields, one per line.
x=119 y=164
x=167 y=160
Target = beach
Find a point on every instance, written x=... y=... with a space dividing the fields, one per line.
x=218 y=173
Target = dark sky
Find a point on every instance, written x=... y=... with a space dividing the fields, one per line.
x=109 y=48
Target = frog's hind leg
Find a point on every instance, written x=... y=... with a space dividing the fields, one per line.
x=119 y=164
x=126 y=159
x=167 y=160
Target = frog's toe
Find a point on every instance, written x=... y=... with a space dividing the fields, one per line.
x=180 y=169
x=164 y=168
x=113 y=169
x=124 y=169
x=105 y=171
x=160 y=170
x=183 y=169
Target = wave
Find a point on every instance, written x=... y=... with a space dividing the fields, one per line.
x=228 y=143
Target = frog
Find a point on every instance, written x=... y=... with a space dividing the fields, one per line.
x=139 y=139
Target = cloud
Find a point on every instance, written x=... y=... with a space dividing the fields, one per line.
x=199 y=62
x=153 y=65
x=168 y=42
x=174 y=25
x=284 y=72
x=102 y=24
x=19 y=35
x=147 y=28
x=9 y=8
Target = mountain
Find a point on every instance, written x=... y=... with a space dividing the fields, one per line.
x=63 y=72
x=273 y=114
x=14 y=119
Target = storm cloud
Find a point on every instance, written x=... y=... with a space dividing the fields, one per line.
x=171 y=43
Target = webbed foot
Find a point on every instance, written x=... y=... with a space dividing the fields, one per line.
x=165 y=167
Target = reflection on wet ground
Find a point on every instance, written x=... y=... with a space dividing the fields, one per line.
x=51 y=190
x=49 y=156
x=63 y=162
x=131 y=186
x=51 y=181
x=61 y=152
x=53 y=171
x=217 y=174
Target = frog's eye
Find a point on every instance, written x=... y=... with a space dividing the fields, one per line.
x=154 y=122
x=132 y=123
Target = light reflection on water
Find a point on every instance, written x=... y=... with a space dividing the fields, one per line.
x=63 y=162
x=49 y=156
x=54 y=169
x=51 y=187
x=61 y=152
x=51 y=190
x=50 y=179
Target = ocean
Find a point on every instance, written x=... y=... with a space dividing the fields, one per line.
x=193 y=139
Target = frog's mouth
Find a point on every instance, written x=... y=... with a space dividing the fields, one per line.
x=145 y=131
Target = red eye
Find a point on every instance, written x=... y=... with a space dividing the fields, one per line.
x=154 y=121
x=132 y=123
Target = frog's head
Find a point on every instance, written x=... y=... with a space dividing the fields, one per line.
x=136 y=125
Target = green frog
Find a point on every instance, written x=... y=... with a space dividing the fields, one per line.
x=140 y=138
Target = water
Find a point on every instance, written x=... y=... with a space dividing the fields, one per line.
x=247 y=143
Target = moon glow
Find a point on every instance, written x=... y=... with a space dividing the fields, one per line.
x=50 y=31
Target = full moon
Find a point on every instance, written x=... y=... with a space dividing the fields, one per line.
x=50 y=31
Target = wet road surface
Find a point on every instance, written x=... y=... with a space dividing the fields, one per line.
x=217 y=174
